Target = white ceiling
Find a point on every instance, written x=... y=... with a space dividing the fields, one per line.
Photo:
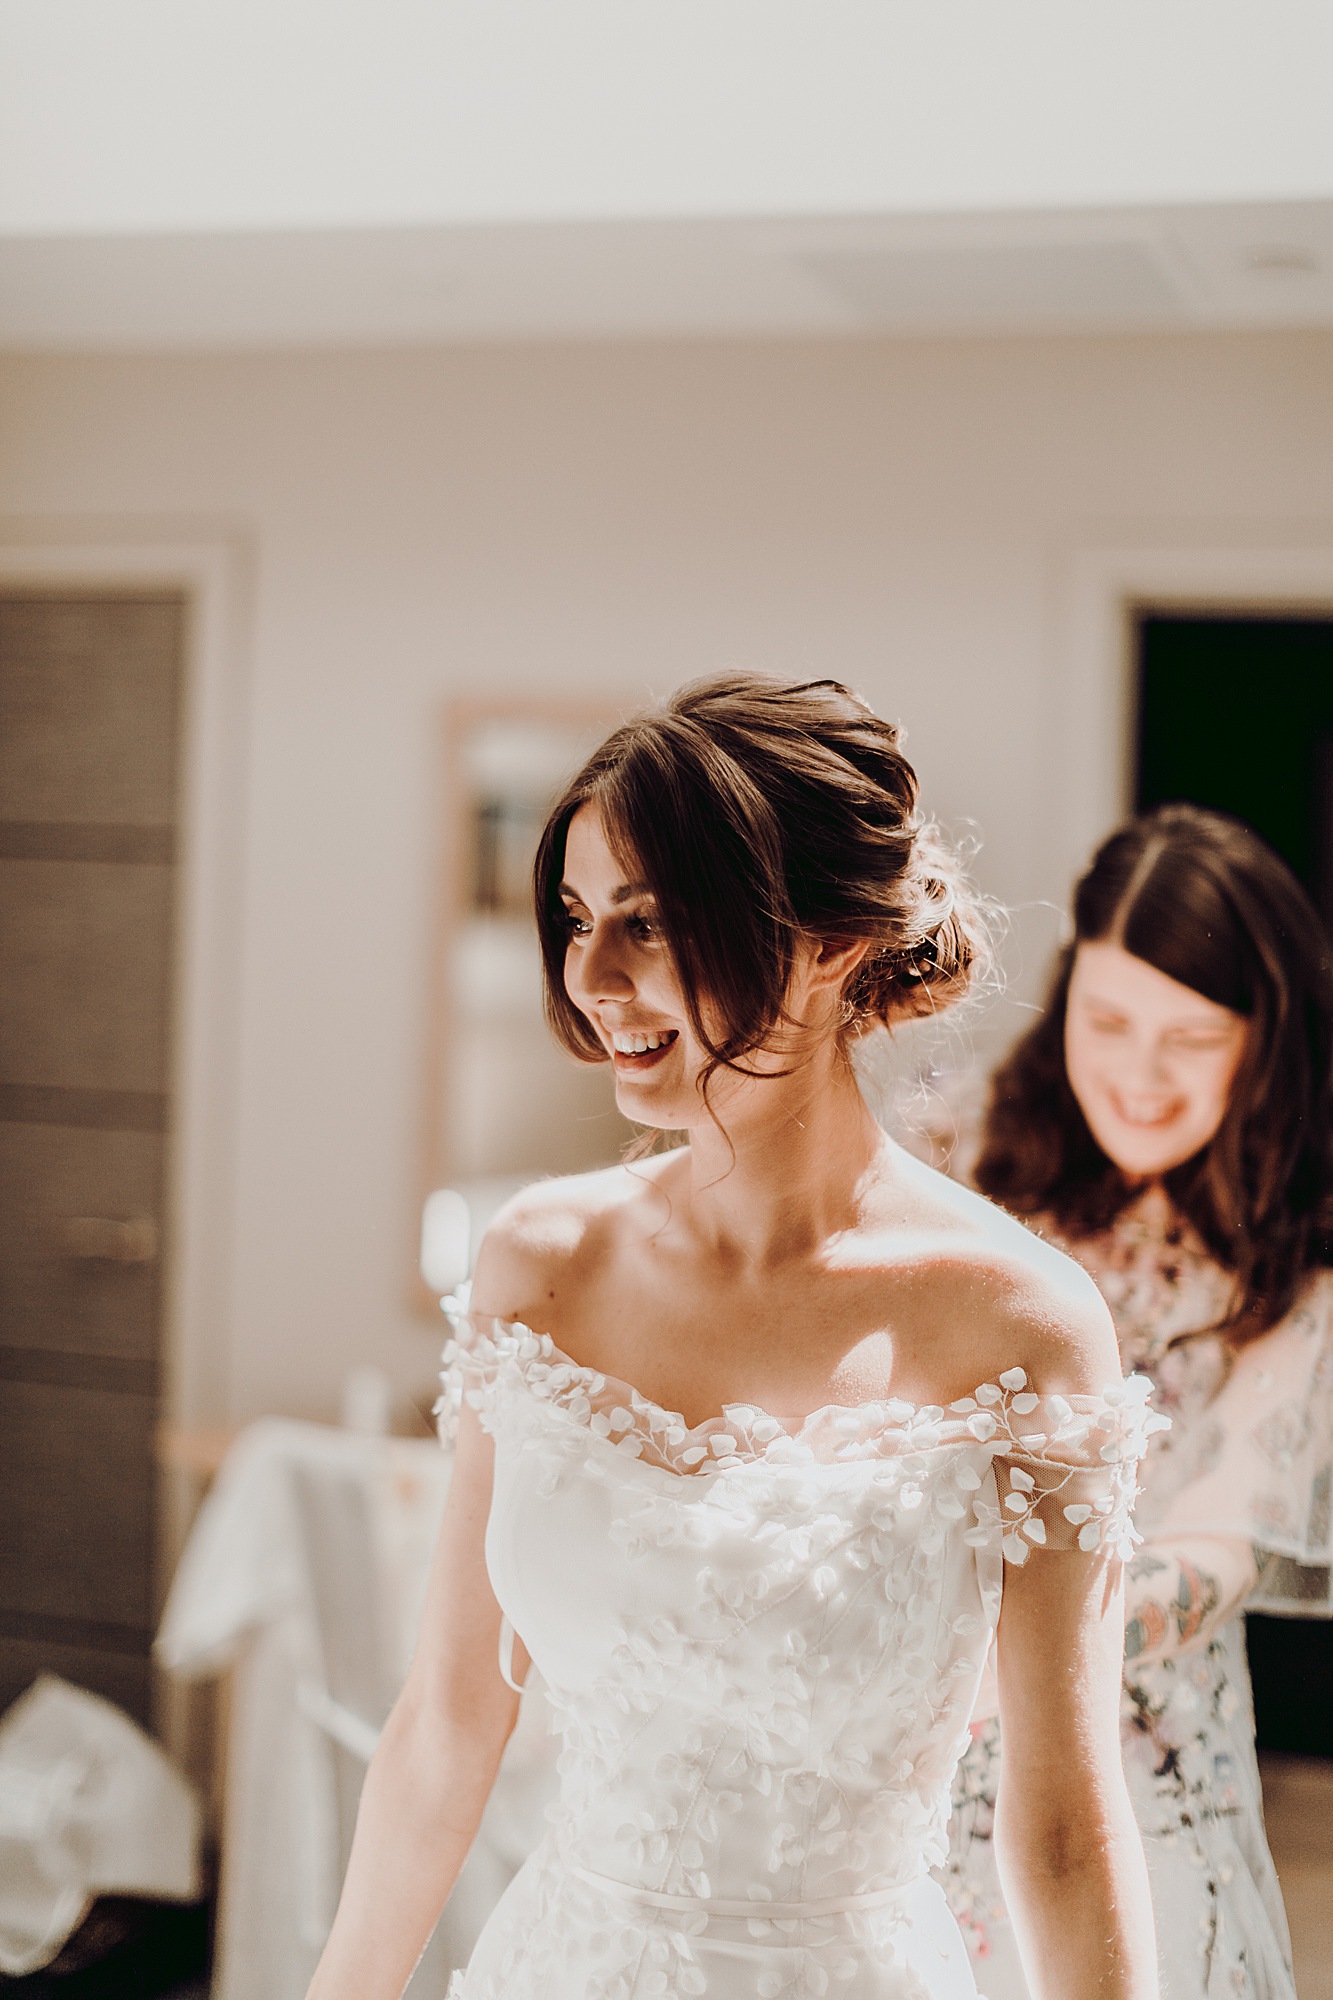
x=174 y=116
x=285 y=172
x=1188 y=267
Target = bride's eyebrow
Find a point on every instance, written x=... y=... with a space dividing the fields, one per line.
x=624 y=894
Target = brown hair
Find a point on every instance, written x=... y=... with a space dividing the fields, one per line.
x=761 y=812
x=1202 y=898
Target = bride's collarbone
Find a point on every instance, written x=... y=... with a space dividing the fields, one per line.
x=696 y=1356
x=925 y=1316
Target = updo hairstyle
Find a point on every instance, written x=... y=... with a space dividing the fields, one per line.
x=761 y=813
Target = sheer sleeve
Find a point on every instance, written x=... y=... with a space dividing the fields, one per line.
x=470 y=1366
x=506 y=1373
x=1259 y=1460
x=1066 y=1467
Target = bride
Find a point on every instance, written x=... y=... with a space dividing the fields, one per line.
x=749 y=1435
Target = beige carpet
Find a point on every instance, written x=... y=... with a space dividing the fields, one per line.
x=1298 y=1807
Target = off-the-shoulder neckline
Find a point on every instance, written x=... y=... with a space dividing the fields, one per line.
x=899 y=1411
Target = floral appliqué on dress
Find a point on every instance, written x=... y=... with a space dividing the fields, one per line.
x=762 y=1641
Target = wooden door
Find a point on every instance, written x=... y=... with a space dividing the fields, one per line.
x=90 y=700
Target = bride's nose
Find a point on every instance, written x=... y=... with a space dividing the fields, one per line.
x=597 y=970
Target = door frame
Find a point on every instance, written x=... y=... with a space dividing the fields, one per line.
x=1100 y=588
x=213 y=567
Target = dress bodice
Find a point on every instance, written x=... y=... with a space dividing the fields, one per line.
x=763 y=1638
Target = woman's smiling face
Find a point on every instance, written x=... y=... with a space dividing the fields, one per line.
x=620 y=975
x=1150 y=1061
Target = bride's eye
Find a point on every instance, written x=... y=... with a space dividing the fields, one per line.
x=643 y=928
x=575 y=926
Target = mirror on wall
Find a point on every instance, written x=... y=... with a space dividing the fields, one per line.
x=505 y=1105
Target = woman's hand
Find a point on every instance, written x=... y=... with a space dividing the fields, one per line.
x=430 y=1778
x=1181 y=1590
x=1178 y=1593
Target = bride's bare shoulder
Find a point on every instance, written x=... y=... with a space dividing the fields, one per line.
x=1021 y=1301
x=552 y=1229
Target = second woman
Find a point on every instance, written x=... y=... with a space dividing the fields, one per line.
x=1169 y=1121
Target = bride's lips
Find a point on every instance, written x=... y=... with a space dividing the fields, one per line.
x=637 y=1062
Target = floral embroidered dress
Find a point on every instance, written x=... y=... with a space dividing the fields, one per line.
x=1248 y=1454
x=762 y=1641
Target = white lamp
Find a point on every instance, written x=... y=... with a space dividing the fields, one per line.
x=446 y=1240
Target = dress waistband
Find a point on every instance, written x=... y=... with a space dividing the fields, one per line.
x=777 y=1913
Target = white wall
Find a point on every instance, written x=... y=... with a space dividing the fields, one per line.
x=585 y=519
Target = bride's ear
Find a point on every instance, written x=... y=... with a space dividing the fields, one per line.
x=832 y=961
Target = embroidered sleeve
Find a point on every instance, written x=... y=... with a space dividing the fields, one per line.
x=469 y=1367
x=1066 y=1467
x=506 y=1372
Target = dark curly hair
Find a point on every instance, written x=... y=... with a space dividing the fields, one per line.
x=761 y=812
x=1202 y=898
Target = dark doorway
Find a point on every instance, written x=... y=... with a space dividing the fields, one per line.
x=1237 y=712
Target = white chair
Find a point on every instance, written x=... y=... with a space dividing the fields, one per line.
x=304 y=1575
x=351 y=1677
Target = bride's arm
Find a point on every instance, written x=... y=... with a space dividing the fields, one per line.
x=429 y=1779
x=1067 y=1843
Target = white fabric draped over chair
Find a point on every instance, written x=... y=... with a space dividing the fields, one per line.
x=304 y=1576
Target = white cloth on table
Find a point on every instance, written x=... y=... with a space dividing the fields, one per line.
x=249 y=1595
x=89 y=1806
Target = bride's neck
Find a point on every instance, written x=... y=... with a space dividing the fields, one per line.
x=788 y=1168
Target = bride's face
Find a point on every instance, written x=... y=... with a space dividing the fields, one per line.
x=1151 y=1062
x=620 y=974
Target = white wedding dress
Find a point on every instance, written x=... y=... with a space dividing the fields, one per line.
x=762 y=1641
